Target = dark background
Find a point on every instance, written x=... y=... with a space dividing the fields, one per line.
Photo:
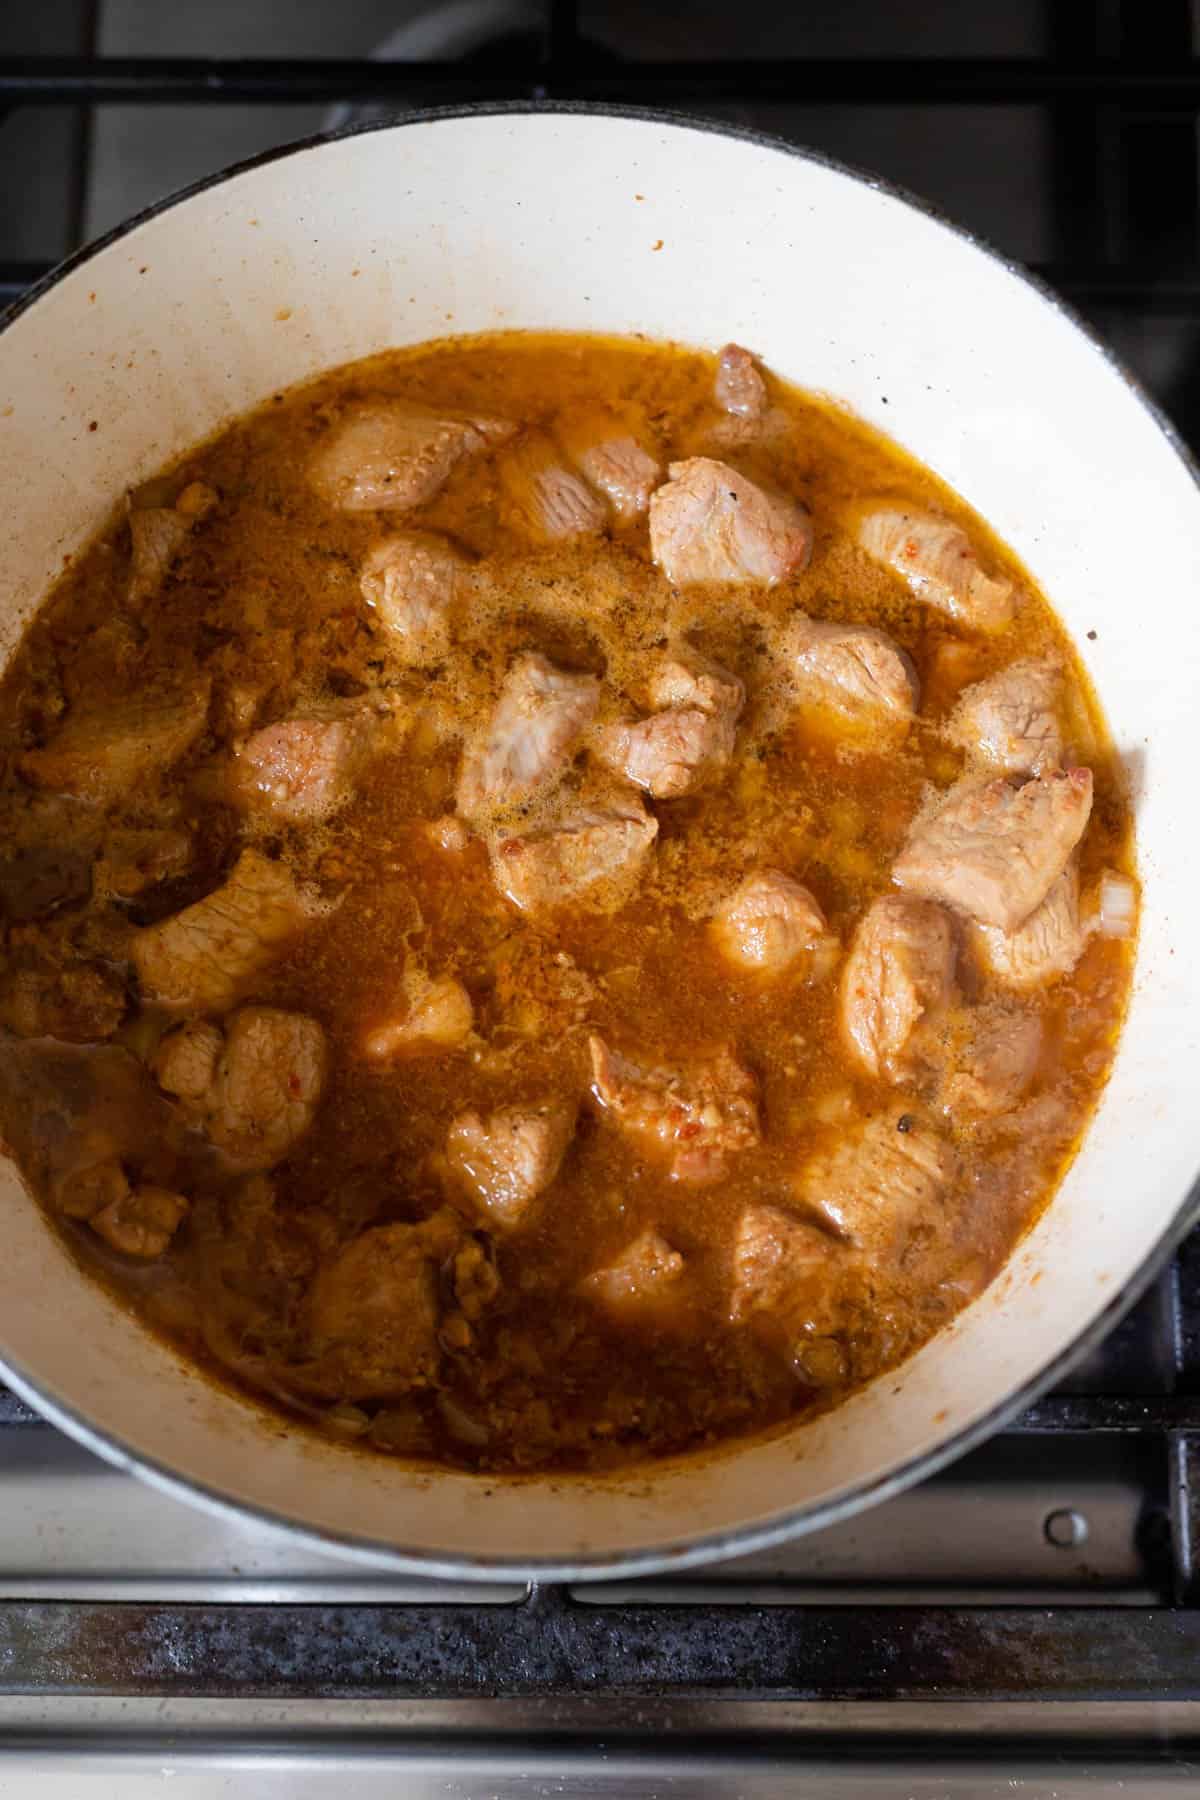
x=1103 y=196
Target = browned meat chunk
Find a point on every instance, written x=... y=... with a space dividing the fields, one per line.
x=993 y=849
x=1047 y=945
x=506 y=1160
x=301 y=769
x=412 y=582
x=142 y=1222
x=388 y=456
x=882 y=1185
x=203 y=958
x=87 y=1190
x=157 y=534
x=252 y=1090
x=373 y=1311
x=48 y=992
x=934 y=559
x=103 y=752
x=686 y=678
x=711 y=524
x=435 y=1016
x=856 y=670
x=899 y=976
x=551 y=502
x=1009 y=722
x=136 y=859
x=186 y=1061
x=990 y=1062
x=769 y=921
x=643 y=1275
x=671 y=753
x=541 y=714
x=775 y=1258
x=739 y=388
x=695 y=1117
x=623 y=472
x=676 y=749
x=595 y=854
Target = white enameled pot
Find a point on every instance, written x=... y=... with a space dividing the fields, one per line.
x=593 y=220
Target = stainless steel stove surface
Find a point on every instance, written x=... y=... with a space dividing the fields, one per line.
x=1026 y=1623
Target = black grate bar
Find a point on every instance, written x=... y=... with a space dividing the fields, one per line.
x=869 y=81
x=16 y=278
x=1125 y=1414
x=1128 y=1413
x=553 y=1645
x=561 y=42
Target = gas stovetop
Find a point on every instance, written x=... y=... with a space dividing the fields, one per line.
x=1027 y=1622
x=1026 y=1608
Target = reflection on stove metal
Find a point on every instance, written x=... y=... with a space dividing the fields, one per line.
x=75 y=1528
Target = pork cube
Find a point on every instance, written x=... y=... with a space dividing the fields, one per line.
x=253 y=1089
x=506 y=1160
x=539 y=717
x=550 y=502
x=991 y=1062
x=437 y=1016
x=934 y=559
x=157 y=535
x=775 y=1256
x=739 y=388
x=1047 y=945
x=994 y=849
x=607 y=446
x=202 y=959
x=83 y=1192
x=593 y=855
x=185 y=1062
x=389 y=456
x=711 y=524
x=412 y=583
x=675 y=750
x=855 y=669
x=694 y=1117
x=643 y=1275
x=301 y=769
x=142 y=1222
x=898 y=978
x=768 y=922
x=623 y=472
x=685 y=678
x=102 y=752
x=373 y=1312
x=882 y=1184
x=670 y=753
x=1008 y=722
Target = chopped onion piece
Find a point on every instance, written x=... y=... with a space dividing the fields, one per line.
x=1116 y=905
x=348 y=1421
x=460 y=1424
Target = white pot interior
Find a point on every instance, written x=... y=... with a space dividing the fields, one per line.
x=555 y=220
